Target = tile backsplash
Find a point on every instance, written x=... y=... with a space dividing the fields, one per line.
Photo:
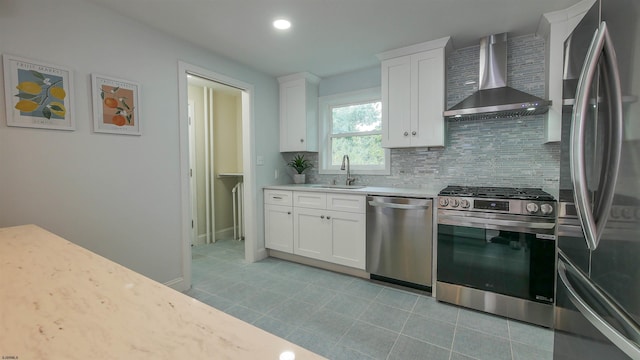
x=498 y=152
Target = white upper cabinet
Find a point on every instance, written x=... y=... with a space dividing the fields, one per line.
x=299 y=112
x=555 y=27
x=414 y=95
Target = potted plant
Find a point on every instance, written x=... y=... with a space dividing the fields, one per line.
x=299 y=164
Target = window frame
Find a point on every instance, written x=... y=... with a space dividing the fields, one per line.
x=325 y=104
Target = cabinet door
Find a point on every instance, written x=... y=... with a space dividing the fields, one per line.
x=278 y=226
x=311 y=233
x=427 y=98
x=293 y=116
x=396 y=102
x=347 y=239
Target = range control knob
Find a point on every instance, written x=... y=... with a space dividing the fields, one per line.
x=546 y=209
x=532 y=208
x=444 y=201
x=615 y=213
x=454 y=202
x=627 y=213
x=464 y=203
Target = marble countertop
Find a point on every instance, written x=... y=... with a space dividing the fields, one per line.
x=61 y=301
x=421 y=192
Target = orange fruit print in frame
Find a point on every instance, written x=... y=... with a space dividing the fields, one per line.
x=117 y=106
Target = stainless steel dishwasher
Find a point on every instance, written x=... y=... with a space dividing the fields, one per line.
x=400 y=240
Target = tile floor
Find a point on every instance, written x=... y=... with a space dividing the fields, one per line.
x=343 y=317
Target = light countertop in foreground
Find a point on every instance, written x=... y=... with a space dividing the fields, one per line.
x=61 y=301
x=422 y=192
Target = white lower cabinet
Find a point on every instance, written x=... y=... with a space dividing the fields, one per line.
x=333 y=236
x=324 y=226
x=278 y=227
x=310 y=233
x=348 y=239
x=278 y=220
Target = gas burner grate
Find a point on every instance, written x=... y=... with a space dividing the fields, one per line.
x=497 y=192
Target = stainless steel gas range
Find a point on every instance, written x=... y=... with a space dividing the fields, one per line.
x=496 y=251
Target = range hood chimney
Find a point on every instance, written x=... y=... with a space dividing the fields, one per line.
x=494 y=99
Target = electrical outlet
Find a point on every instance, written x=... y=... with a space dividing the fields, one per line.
x=260 y=160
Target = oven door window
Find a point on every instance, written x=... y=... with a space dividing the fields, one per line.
x=504 y=262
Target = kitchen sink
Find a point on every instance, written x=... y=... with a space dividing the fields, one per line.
x=329 y=186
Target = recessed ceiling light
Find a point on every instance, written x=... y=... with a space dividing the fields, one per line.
x=282 y=24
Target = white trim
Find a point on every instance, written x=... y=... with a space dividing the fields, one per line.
x=208 y=163
x=176 y=283
x=193 y=182
x=252 y=253
x=413 y=49
x=325 y=103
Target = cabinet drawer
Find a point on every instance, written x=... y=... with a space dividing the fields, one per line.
x=343 y=202
x=314 y=200
x=278 y=197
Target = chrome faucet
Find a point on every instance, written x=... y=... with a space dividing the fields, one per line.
x=345 y=161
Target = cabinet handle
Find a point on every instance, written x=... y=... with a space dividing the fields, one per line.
x=413 y=133
x=321 y=216
x=328 y=217
x=406 y=133
x=288 y=212
x=301 y=140
x=278 y=197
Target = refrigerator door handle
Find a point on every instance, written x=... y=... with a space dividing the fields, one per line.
x=593 y=221
x=628 y=346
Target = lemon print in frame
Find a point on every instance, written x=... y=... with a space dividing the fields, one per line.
x=29 y=87
x=26 y=105
x=58 y=92
x=40 y=95
x=57 y=108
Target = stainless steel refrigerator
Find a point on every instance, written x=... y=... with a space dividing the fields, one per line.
x=598 y=279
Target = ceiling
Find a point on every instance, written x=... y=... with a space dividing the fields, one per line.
x=330 y=37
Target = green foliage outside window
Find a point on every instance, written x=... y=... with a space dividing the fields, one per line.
x=362 y=150
x=357 y=118
x=356 y=131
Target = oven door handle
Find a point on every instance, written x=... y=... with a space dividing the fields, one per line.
x=470 y=221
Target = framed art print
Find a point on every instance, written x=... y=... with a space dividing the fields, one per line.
x=37 y=94
x=115 y=105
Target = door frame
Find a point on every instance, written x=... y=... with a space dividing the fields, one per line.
x=193 y=181
x=248 y=154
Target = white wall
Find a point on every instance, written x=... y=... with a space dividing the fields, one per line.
x=113 y=194
x=356 y=80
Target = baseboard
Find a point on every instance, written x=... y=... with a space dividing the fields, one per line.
x=220 y=235
x=261 y=254
x=201 y=239
x=177 y=284
x=225 y=233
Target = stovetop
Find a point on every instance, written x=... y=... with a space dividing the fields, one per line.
x=491 y=192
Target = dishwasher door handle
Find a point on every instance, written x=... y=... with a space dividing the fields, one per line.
x=398 y=206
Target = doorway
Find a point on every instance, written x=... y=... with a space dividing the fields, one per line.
x=215 y=149
x=191 y=217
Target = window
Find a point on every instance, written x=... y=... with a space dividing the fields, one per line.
x=351 y=124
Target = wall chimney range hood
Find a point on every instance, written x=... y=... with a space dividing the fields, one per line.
x=494 y=99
